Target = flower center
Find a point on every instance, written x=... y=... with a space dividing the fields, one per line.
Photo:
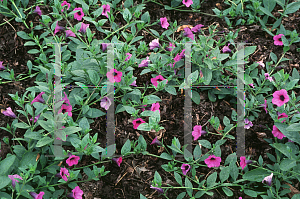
x=115 y=74
x=138 y=122
x=281 y=97
x=63 y=111
x=212 y=158
x=186 y=167
x=279 y=39
x=79 y=13
x=159 y=80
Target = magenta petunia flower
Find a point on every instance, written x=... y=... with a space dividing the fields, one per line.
x=78 y=15
x=137 y=122
x=1 y=66
x=160 y=190
x=72 y=160
x=155 y=141
x=65 y=108
x=58 y=28
x=144 y=62
x=185 y=168
x=106 y=9
x=38 y=10
x=177 y=58
x=83 y=28
x=69 y=33
x=157 y=79
x=226 y=49
x=105 y=103
x=198 y=132
x=171 y=47
x=36 y=118
x=76 y=193
x=261 y=63
x=114 y=75
x=39 y=98
x=187 y=3
x=65 y=3
x=154 y=44
x=277 y=133
x=265 y=105
x=268 y=77
x=213 y=161
x=65 y=99
x=182 y=54
x=64 y=173
x=164 y=23
x=277 y=40
x=282 y=115
x=129 y=56
x=197 y=28
x=244 y=162
x=268 y=179
x=133 y=83
x=37 y=196
x=280 y=97
x=188 y=33
x=118 y=160
x=251 y=85
x=9 y=113
x=155 y=106
x=104 y=46
x=12 y=177
x=248 y=124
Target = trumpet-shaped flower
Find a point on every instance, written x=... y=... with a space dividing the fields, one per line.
x=38 y=10
x=83 y=28
x=226 y=49
x=248 y=124
x=78 y=15
x=197 y=28
x=277 y=40
x=118 y=160
x=58 y=28
x=213 y=161
x=164 y=23
x=37 y=196
x=105 y=103
x=36 y=118
x=155 y=106
x=198 y=132
x=65 y=108
x=76 y=193
x=128 y=56
x=69 y=33
x=12 y=177
x=185 y=168
x=268 y=180
x=188 y=33
x=156 y=141
x=154 y=44
x=244 y=162
x=280 y=97
x=106 y=9
x=65 y=3
x=9 y=113
x=114 y=75
x=39 y=98
x=187 y=3
x=1 y=66
x=72 y=160
x=64 y=173
x=137 y=122
x=157 y=79
x=160 y=190
x=144 y=62
x=277 y=133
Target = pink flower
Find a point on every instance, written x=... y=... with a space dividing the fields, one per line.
x=248 y=124
x=185 y=168
x=155 y=106
x=251 y=85
x=265 y=105
x=280 y=97
x=240 y=198
x=282 y=115
x=164 y=23
x=198 y=132
x=155 y=141
x=177 y=58
x=277 y=40
x=197 y=28
x=65 y=3
x=137 y=122
x=182 y=54
x=72 y=160
x=171 y=47
x=65 y=99
x=129 y=56
x=38 y=10
x=244 y=162
x=144 y=62
x=187 y=3
x=268 y=77
x=261 y=63
x=154 y=44
x=157 y=79
x=78 y=15
x=118 y=160
x=36 y=118
x=58 y=28
x=104 y=46
x=64 y=173
x=69 y=33
x=226 y=49
x=37 y=196
x=83 y=28
x=133 y=83
x=65 y=108
x=212 y=161
x=76 y=193
x=12 y=177
x=39 y=98
x=1 y=66
x=268 y=179
x=188 y=33
x=106 y=9
x=277 y=133
x=9 y=113
x=114 y=75
x=105 y=103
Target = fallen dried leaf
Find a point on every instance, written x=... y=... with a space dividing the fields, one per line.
x=180 y=28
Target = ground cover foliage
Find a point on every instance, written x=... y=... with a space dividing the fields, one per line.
x=149 y=78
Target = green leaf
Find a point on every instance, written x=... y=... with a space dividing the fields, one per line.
x=157 y=177
x=4 y=181
x=30 y=43
x=273 y=57
x=287 y=164
x=129 y=109
x=33 y=51
x=250 y=193
x=142 y=197
x=181 y=195
x=211 y=180
x=256 y=175
x=197 y=152
x=178 y=178
x=6 y=164
x=267 y=12
x=22 y=125
x=146 y=17
x=94 y=77
x=269 y=5
x=292 y=7
x=195 y=97
x=166 y=156
x=46 y=125
x=23 y=35
x=126 y=148
x=93 y=113
x=188 y=184
x=71 y=130
x=154 y=32
x=207 y=75
x=249 y=50
x=187 y=155
x=227 y=191
x=224 y=174
x=171 y=90
x=205 y=143
x=127 y=15
x=44 y=141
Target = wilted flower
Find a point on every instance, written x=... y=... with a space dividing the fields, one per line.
x=69 y=33
x=65 y=99
x=144 y=62
x=105 y=103
x=1 y=66
x=9 y=113
x=65 y=3
x=76 y=193
x=154 y=44
x=118 y=160
x=244 y=162
x=58 y=28
x=198 y=132
x=12 y=177
x=188 y=33
x=160 y=190
x=261 y=63
x=197 y=28
x=280 y=97
x=164 y=23
x=129 y=56
x=268 y=179
x=37 y=196
x=155 y=141
x=36 y=118
x=226 y=49
x=83 y=28
x=185 y=168
x=213 y=161
x=104 y=46
x=39 y=98
x=248 y=124
x=38 y=10
x=265 y=105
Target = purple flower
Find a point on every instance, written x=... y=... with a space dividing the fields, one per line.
x=155 y=141
x=36 y=118
x=129 y=56
x=106 y=9
x=76 y=193
x=38 y=10
x=197 y=28
x=157 y=79
x=155 y=106
x=248 y=124
x=12 y=177
x=136 y=123
x=83 y=27
x=1 y=66
x=198 y=132
x=105 y=103
x=268 y=77
x=69 y=33
x=58 y=28
x=144 y=62
x=244 y=162
x=160 y=190
x=187 y=3
x=104 y=46
x=154 y=44
x=133 y=83
x=9 y=113
x=182 y=55
x=185 y=168
x=261 y=63
x=114 y=75
x=171 y=47
x=39 y=98
x=277 y=40
x=164 y=23
x=37 y=196
x=188 y=33
x=118 y=160
x=277 y=133
x=78 y=15
x=65 y=3
x=268 y=179
x=226 y=49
